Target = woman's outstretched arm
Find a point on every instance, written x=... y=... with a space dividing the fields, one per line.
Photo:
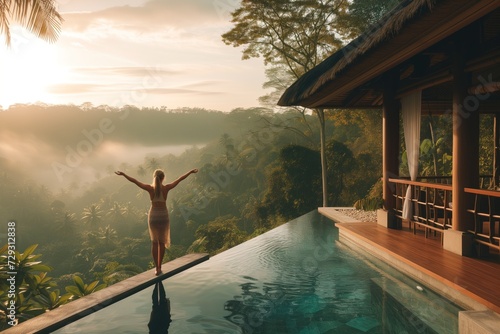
x=131 y=179
x=182 y=177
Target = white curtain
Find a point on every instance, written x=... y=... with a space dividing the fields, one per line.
x=411 y=110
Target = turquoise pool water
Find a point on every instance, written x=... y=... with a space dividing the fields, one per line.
x=297 y=278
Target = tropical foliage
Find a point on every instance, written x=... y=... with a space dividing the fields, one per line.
x=293 y=37
x=80 y=289
x=26 y=290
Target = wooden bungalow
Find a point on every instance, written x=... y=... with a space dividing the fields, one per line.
x=432 y=56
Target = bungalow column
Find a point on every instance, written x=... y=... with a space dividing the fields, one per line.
x=465 y=144
x=496 y=151
x=390 y=142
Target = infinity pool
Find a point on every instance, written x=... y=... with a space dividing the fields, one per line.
x=297 y=278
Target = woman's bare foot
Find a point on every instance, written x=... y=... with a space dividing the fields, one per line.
x=157 y=271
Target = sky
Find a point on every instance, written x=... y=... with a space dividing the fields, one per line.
x=147 y=53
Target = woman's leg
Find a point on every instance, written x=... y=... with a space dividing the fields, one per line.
x=154 y=252
x=161 y=253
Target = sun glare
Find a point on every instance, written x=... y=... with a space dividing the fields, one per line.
x=27 y=68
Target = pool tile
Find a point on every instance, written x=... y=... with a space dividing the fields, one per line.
x=363 y=324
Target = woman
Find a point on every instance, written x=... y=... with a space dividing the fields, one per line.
x=158 y=222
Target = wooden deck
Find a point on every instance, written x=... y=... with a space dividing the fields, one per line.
x=474 y=278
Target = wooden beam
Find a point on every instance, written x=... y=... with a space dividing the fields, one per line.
x=354 y=97
x=435 y=75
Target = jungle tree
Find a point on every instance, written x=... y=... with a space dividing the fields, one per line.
x=293 y=36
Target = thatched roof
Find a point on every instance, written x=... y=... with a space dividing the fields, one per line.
x=383 y=40
x=389 y=25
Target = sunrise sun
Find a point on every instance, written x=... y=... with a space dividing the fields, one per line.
x=27 y=68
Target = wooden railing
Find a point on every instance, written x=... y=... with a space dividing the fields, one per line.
x=431 y=205
x=435 y=179
x=485 y=181
x=486 y=214
x=431 y=209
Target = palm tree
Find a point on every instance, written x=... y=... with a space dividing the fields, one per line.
x=107 y=235
x=129 y=211
x=39 y=16
x=92 y=215
x=115 y=213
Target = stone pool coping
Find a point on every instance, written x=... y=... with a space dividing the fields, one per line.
x=77 y=309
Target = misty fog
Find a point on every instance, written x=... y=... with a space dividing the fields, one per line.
x=58 y=146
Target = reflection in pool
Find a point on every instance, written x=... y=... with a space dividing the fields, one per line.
x=160 y=318
x=297 y=278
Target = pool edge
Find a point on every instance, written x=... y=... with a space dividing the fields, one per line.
x=471 y=321
x=77 y=309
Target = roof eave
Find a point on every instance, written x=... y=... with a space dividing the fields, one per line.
x=316 y=88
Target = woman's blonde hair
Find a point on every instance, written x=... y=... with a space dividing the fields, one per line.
x=158 y=176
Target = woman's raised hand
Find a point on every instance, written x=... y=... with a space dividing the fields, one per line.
x=119 y=173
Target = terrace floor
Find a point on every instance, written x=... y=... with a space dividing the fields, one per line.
x=470 y=282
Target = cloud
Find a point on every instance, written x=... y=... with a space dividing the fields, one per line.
x=151 y=52
x=174 y=91
x=196 y=88
x=115 y=77
x=152 y=16
x=202 y=84
x=81 y=88
x=75 y=88
x=135 y=71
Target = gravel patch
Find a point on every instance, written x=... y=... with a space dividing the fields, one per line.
x=361 y=215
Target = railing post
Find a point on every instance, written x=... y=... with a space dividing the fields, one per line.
x=486 y=212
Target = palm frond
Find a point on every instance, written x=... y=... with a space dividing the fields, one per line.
x=40 y=17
